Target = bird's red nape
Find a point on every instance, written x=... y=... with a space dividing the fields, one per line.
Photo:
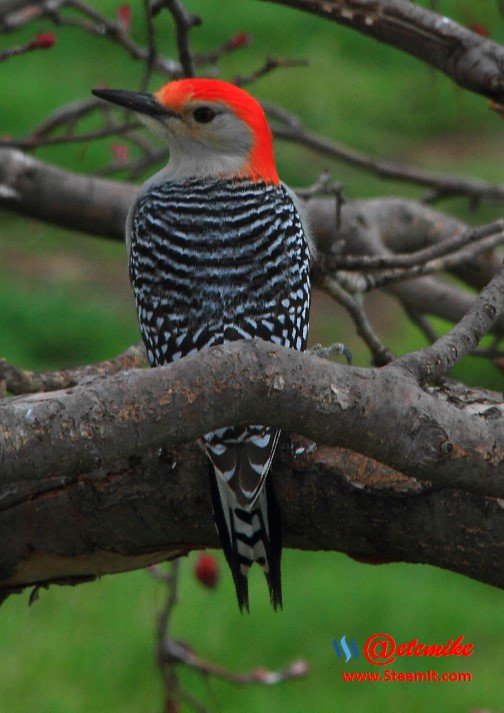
x=260 y=165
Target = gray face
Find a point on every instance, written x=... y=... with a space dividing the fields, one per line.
x=206 y=139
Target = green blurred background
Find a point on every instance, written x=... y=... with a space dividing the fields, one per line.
x=65 y=300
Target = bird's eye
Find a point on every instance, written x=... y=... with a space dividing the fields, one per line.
x=204 y=114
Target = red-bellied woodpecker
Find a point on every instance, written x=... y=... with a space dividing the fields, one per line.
x=218 y=252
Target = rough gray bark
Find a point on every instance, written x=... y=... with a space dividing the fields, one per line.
x=150 y=508
x=39 y=190
x=57 y=434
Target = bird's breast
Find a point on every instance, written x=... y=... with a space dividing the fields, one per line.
x=216 y=248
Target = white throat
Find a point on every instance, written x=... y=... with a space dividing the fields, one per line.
x=191 y=159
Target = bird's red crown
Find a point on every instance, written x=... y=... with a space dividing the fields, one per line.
x=261 y=161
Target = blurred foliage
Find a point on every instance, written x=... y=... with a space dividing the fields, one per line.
x=65 y=300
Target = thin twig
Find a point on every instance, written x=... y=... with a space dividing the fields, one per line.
x=448 y=185
x=68 y=113
x=175 y=651
x=448 y=262
x=172 y=652
x=184 y=22
x=156 y=571
x=424 y=325
x=381 y=354
x=324 y=185
x=151 y=44
x=192 y=702
x=336 y=349
x=270 y=65
x=34 y=142
x=489 y=353
x=421 y=322
x=164 y=620
x=236 y=42
x=14 y=16
x=133 y=168
x=433 y=362
x=172 y=686
x=41 y=41
x=379 y=262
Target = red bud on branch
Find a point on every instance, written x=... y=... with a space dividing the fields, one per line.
x=206 y=570
x=479 y=29
x=241 y=39
x=120 y=152
x=43 y=41
x=124 y=16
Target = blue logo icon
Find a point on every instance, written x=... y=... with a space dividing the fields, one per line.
x=342 y=648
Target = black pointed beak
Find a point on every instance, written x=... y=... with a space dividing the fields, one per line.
x=136 y=101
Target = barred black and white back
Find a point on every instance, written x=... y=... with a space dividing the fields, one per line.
x=214 y=261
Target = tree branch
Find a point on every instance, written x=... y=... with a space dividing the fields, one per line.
x=445 y=263
x=440 y=357
x=472 y=61
x=287 y=125
x=422 y=256
x=19 y=381
x=381 y=355
x=184 y=22
x=443 y=185
x=81 y=429
x=39 y=190
x=148 y=509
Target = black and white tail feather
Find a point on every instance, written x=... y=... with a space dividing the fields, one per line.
x=246 y=514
